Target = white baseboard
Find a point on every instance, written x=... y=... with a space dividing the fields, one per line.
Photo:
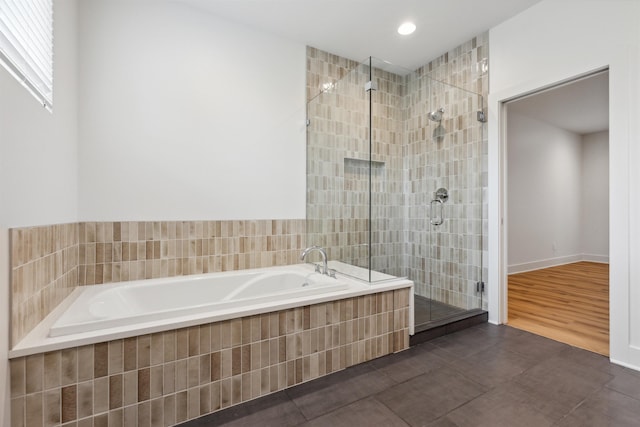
x=603 y=259
x=553 y=262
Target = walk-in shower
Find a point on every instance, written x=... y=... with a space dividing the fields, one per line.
x=384 y=200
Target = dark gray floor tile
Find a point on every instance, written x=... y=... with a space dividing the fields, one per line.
x=587 y=359
x=365 y=412
x=605 y=408
x=427 y=397
x=558 y=385
x=503 y=406
x=409 y=363
x=625 y=381
x=533 y=346
x=442 y=422
x=463 y=344
x=493 y=366
x=328 y=393
x=274 y=410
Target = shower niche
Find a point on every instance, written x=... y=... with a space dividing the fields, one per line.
x=382 y=141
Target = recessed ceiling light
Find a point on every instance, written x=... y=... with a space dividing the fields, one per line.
x=406 y=28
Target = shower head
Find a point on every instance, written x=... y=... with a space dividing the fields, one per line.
x=436 y=116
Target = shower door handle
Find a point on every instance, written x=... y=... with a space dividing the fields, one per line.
x=433 y=206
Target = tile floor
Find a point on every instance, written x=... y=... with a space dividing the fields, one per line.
x=486 y=375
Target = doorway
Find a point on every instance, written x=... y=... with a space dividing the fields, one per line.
x=557 y=212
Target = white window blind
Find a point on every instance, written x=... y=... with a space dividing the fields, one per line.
x=26 y=44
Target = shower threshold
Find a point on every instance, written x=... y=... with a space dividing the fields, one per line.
x=434 y=319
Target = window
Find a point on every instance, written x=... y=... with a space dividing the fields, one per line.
x=26 y=45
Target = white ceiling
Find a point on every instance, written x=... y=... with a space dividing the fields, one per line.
x=581 y=107
x=357 y=29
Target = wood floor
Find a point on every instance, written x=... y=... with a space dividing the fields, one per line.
x=568 y=303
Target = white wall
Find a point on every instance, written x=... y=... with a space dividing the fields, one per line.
x=595 y=196
x=544 y=194
x=185 y=116
x=552 y=42
x=38 y=161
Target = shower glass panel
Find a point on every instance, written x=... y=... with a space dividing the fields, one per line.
x=395 y=184
x=338 y=172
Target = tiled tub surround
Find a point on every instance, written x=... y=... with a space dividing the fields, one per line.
x=122 y=251
x=44 y=271
x=176 y=375
x=48 y=262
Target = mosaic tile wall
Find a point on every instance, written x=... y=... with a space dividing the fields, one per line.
x=121 y=251
x=174 y=376
x=338 y=170
x=455 y=157
x=412 y=157
x=48 y=262
x=44 y=270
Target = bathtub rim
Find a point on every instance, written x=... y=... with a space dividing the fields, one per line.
x=38 y=341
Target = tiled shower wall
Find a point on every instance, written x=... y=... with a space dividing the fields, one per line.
x=48 y=262
x=449 y=258
x=174 y=376
x=338 y=172
x=409 y=164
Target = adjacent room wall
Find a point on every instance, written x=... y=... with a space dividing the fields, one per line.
x=553 y=42
x=187 y=117
x=544 y=194
x=595 y=196
x=38 y=161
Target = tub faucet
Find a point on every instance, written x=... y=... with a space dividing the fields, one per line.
x=323 y=253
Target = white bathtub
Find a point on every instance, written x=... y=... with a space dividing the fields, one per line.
x=106 y=306
x=99 y=313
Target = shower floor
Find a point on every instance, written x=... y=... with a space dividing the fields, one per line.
x=434 y=319
x=427 y=310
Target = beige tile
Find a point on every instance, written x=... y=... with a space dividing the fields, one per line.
x=18 y=412
x=169 y=378
x=194 y=341
x=156 y=381
x=116 y=418
x=130 y=387
x=34 y=410
x=225 y=393
x=181 y=374
x=52 y=370
x=85 y=399
x=182 y=405
x=131 y=416
x=157 y=349
x=193 y=372
x=182 y=341
x=100 y=395
x=18 y=377
x=205 y=399
x=34 y=373
x=51 y=407
x=169 y=346
x=157 y=412
x=193 y=410
x=169 y=408
x=144 y=414
x=116 y=357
